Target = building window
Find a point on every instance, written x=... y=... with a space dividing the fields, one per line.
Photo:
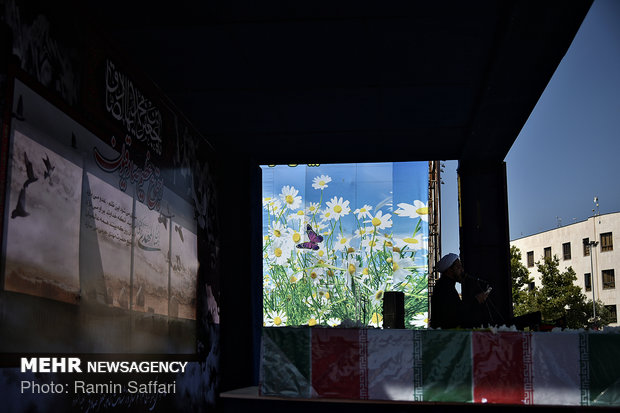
x=586 y=247
x=566 y=250
x=607 y=243
x=587 y=281
x=530 y=259
x=548 y=253
x=609 y=280
x=614 y=313
x=532 y=286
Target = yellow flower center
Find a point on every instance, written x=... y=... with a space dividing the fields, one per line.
x=321 y=253
x=379 y=295
x=327 y=214
x=277 y=320
x=277 y=233
x=268 y=199
x=266 y=238
x=395 y=266
x=362 y=231
x=350 y=250
x=296 y=237
x=337 y=209
x=396 y=249
x=389 y=259
x=293 y=279
x=312 y=322
x=422 y=211
x=372 y=243
x=290 y=199
x=330 y=273
x=321 y=262
x=411 y=240
x=312 y=208
x=321 y=183
x=388 y=243
x=365 y=271
x=376 y=318
x=362 y=209
x=300 y=212
x=351 y=269
x=376 y=222
x=313 y=275
x=327 y=295
x=343 y=241
x=277 y=252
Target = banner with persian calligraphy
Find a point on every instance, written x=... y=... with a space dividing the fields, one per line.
x=94 y=225
x=127 y=104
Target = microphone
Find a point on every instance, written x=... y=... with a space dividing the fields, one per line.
x=482 y=280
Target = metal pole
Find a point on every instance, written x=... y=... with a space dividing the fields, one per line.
x=592 y=244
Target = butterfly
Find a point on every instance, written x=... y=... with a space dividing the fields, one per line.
x=314 y=239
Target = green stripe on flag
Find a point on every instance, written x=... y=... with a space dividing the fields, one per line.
x=286 y=361
x=604 y=357
x=447 y=366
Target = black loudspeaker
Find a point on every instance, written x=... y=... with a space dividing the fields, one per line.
x=394 y=309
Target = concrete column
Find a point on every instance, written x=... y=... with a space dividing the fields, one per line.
x=484 y=234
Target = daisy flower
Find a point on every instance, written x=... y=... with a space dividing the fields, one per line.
x=412 y=243
x=315 y=274
x=377 y=298
x=323 y=295
x=381 y=221
x=290 y=198
x=420 y=320
x=363 y=212
x=369 y=243
x=333 y=322
x=313 y=208
x=376 y=320
x=312 y=321
x=343 y=243
x=276 y=319
x=280 y=253
x=418 y=209
x=277 y=231
x=271 y=204
x=294 y=278
x=361 y=232
x=299 y=216
x=320 y=182
x=327 y=214
x=399 y=265
x=338 y=207
x=292 y=236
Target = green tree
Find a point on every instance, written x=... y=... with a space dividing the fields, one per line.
x=523 y=298
x=558 y=294
x=557 y=299
x=560 y=298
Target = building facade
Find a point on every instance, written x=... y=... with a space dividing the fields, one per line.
x=589 y=247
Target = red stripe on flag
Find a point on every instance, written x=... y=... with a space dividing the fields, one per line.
x=498 y=367
x=336 y=363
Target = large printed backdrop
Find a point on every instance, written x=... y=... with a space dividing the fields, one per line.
x=77 y=233
x=337 y=237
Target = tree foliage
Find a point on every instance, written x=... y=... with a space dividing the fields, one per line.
x=522 y=297
x=558 y=298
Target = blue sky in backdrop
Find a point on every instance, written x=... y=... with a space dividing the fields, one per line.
x=568 y=151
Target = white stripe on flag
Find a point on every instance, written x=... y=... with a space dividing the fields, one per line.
x=390 y=364
x=555 y=368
